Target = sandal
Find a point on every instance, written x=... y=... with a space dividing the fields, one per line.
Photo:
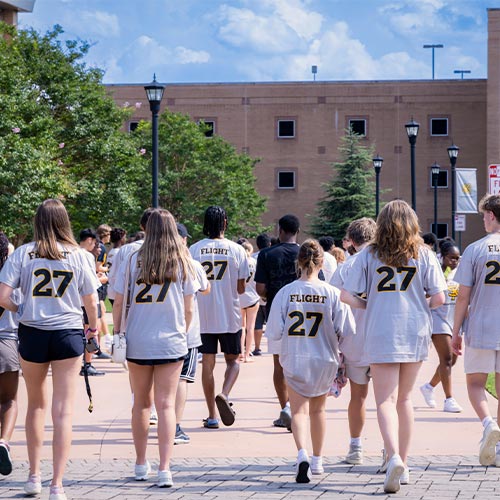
x=210 y=423
x=227 y=414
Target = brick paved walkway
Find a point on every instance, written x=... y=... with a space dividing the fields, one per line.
x=269 y=478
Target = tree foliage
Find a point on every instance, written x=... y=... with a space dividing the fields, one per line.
x=350 y=194
x=196 y=171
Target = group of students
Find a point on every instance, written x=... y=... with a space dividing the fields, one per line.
x=170 y=300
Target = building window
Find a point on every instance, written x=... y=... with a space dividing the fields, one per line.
x=286 y=179
x=442 y=230
x=286 y=129
x=210 y=126
x=358 y=126
x=442 y=179
x=132 y=126
x=439 y=126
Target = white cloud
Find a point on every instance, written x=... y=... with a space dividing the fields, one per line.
x=188 y=56
x=98 y=23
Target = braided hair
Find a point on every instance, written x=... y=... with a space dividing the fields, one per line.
x=4 y=249
x=215 y=222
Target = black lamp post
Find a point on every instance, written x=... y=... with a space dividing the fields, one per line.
x=412 y=131
x=435 y=174
x=453 y=154
x=377 y=165
x=154 y=91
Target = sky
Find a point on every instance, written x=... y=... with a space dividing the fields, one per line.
x=186 y=41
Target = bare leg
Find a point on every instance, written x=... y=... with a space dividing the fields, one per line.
x=243 y=333
x=166 y=380
x=208 y=382
x=300 y=414
x=407 y=376
x=446 y=360
x=180 y=400
x=103 y=324
x=279 y=381
x=356 y=410
x=250 y=329
x=9 y=382
x=231 y=374
x=476 y=383
x=64 y=376
x=141 y=379
x=317 y=424
x=385 y=386
x=35 y=377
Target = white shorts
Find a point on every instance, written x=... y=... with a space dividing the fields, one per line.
x=481 y=360
x=358 y=374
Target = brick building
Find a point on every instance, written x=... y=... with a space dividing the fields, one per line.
x=10 y=10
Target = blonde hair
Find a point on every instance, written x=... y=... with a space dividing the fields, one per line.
x=247 y=246
x=491 y=203
x=339 y=254
x=397 y=236
x=52 y=226
x=163 y=254
x=310 y=256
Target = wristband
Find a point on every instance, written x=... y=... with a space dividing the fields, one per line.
x=92 y=330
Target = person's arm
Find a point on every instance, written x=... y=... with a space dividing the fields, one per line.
x=206 y=291
x=117 y=312
x=5 y=298
x=461 y=308
x=188 y=310
x=261 y=290
x=352 y=300
x=436 y=300
x=241 y=286
x=90 y=304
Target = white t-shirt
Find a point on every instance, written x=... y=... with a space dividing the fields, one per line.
x=329 y=266
x=156 y=326
x=250 y=297
x=51 y=289
x=480 y=269
x=8 y=319
x=193 y=334
x=225 y=262
x=442 y=317
x=398 y=319
x=308 y=318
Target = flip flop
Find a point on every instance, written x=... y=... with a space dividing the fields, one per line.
x=226 y=413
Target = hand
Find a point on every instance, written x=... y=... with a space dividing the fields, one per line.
x=456 y=344
x=91 y=333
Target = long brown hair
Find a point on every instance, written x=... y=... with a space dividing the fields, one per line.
x=397 y=237
x=310 y=256
x=163 y=254
x=52 y=226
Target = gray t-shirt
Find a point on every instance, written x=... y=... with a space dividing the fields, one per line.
x=51 y=289
x=156 y=326
x=442 y=317
x=193 y=334
x=480 y=269
x=308 y=318
x=398 y=319
x=8 y=319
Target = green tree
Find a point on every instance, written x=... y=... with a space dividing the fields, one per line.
x=196 y=171
x=350 y=193
x=60 y=136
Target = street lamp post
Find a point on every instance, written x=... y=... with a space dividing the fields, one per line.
x=412 y=131
x=453 y=154
x=377 y=165
x=154 y=91
x=433 y=46
x=435 y=174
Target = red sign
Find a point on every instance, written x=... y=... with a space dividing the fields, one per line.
x=494 y=179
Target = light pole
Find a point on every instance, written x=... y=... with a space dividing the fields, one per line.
x=462 y=72
x=377 y=165
x=154 y=91
x=412 y=131
x=453 y=154
x=433 y=46
x=435 y=174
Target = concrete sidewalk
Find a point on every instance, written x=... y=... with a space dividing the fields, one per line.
x=444 y=451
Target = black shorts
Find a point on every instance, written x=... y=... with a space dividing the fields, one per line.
x=86 y=318
x=230 y=343
x=260 y=320
x=155 y=362
x=189 y=367
x=102 y=292
x=42 y=346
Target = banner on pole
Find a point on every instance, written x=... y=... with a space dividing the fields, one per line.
x=466 y=191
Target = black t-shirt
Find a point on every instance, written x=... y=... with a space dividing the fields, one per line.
x=276 y=268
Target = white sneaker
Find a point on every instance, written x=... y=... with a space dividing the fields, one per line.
x=395 y=469
x=317 y=466
x=383 y=467
x=108 y=342
x=491 y=436
x=165 y=479
x=57 y=493
x=142 y=471
x=303 y=472
x=153 y=417
x=405 y=477
x=428 y=394
x=33 y=486
x=355 y=455
x=451 y=406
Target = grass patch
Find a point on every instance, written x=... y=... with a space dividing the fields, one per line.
x=490 y=385
x=107 y=303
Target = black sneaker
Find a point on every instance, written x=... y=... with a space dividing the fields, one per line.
x=91 y=371
x=257 y=352
x=102 y=355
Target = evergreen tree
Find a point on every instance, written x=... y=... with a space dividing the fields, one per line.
x=350 y=194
